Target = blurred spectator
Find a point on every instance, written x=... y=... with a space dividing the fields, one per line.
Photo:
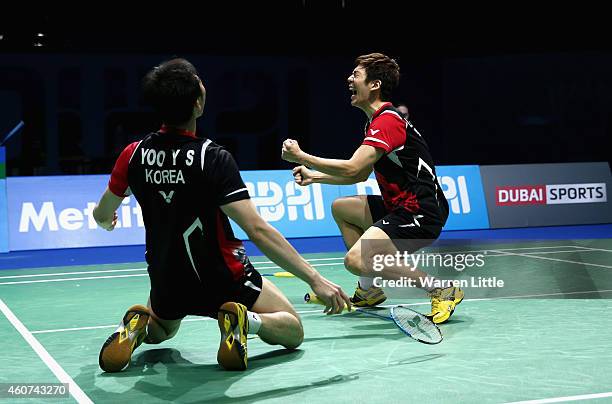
x=403 y=109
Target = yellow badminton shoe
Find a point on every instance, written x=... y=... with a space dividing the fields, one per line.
x=234 y=327
x=368 y=298
x=443 y=303
x=117 y=351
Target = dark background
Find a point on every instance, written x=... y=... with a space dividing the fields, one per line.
x=502 y=85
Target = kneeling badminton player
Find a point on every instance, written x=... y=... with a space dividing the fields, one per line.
x=187 y=188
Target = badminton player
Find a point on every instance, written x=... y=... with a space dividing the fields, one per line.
x=412 y=209
x=187 y=188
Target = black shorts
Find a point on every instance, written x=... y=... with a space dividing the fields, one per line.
x=408 y=232
x=172 y=303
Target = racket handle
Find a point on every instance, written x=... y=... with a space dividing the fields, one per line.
x=311 y=298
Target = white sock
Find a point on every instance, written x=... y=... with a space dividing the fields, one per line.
x=254 y=322
x=366 y=282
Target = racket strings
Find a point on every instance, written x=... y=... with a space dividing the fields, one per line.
x=415 y=324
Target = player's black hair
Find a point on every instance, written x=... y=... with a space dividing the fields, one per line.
x=383 y=68
x=172 y=89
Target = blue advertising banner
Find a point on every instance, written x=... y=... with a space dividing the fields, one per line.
x=462 y=187
x=56 y=212
x=295 y=211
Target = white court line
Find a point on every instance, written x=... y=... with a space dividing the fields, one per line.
x=310 y=260
x=73 y=273
x=534 y=248
x=501 y=254
x=74 y=329
x=537 y=252
x=314 y=265
x=555 y=259
x=144 y=269
x=562 y=399
x=595 y=249
x=187 y=320
x=500 y=251
x=113 y=277
x=277 y=267
x=320 y=310
x=73 y=279
x=445 y=252
x=74 y=389
x=584 y=292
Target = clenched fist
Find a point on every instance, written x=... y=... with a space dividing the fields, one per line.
x=291 y=151
x=302 y=176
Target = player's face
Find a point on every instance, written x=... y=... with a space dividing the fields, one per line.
x=360 y=91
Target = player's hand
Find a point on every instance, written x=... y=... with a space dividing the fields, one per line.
x=302 y=176
x=109 y=225
x=331 y=294
x=291 y=151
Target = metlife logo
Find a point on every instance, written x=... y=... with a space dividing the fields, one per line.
x=47 y=218
x=56 y=212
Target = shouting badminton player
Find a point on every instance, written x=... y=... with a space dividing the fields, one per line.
x=412 y=209
x=187 y=187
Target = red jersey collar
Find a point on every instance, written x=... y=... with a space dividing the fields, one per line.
x=177 y=131
x=379 y=110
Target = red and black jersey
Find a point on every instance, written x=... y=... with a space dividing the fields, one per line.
x=405 y=173
x=180 y=182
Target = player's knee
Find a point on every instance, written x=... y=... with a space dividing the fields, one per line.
x=338 y=206
x=298 y=338
x=353 y=262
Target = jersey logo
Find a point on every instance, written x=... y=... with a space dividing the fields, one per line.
x=167 y=198
x=374 y=131
x=385 y=222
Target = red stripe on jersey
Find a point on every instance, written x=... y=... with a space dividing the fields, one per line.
x=394 y=197
x=118 y=183
x=227 y=248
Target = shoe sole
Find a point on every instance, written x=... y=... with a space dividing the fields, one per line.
x=117 y=351
x=232 y=354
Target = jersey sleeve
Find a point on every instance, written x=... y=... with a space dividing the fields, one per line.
x=118 y=183
x=227 y=182
x=386 y=132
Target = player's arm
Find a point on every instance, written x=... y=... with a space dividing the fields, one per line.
x=105 y=212
x=278 y=249
x=356 y=169
x=304 y=176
